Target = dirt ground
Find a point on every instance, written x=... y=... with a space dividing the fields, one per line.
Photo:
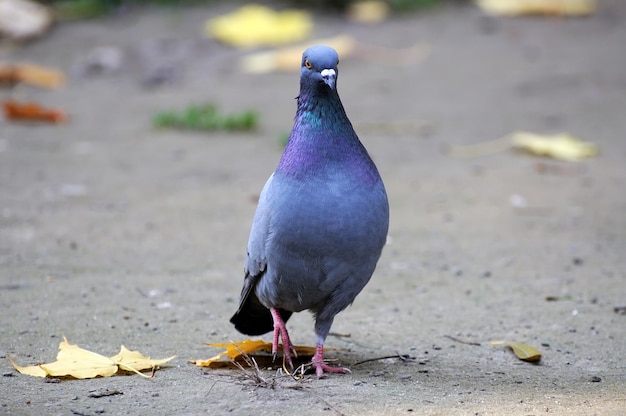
x=112 y=232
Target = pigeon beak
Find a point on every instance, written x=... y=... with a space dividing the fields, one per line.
x=329 y=76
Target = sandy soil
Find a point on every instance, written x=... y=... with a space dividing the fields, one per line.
x=113 y=233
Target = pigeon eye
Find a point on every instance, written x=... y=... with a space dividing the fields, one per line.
x=308 y=64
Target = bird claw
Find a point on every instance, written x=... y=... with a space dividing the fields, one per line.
x=288 y=352
x=321 y=368
x=280 y=329
x=320 y=365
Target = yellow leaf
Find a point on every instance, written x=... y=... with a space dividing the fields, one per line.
x=561 y=146
x=368 y=11
x=135 y=361
x=526 y=7
x=234 y=351
x=39 y=76
x=254 y=25
x=521 y=351
x=80 y=363
x=31 y=370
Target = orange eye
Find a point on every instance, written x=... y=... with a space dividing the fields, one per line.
x=308 y=64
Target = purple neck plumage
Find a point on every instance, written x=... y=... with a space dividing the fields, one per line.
x=322 y=139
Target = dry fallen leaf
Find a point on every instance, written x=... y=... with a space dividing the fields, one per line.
x=561 y=146
x=36 y=75
x=254 y=25
x=529 y=7
x=368 y=11
x=521 y=351
x=80 y=363
x=31 y=370
x=17 y=111
x=235 y=350
x=134 y=361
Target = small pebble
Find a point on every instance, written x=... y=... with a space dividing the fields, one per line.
x=595 y=379
x=620 y=310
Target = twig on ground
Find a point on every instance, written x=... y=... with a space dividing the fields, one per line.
x=339 y=335
x=463 y=341
x=255 y=375
x=401 y=357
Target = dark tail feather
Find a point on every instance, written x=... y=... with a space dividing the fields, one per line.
x=252 y=318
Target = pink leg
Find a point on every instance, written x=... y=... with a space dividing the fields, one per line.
x=281 y=329
x=321 y=366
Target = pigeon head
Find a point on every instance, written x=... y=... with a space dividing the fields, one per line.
x=319 y=68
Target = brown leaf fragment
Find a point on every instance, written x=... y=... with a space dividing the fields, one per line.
x=522 y=351
x=16 y=111
x=7 y=76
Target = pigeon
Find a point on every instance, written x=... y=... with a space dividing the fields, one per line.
x=321 y=221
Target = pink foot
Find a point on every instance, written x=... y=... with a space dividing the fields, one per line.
x=321 y=366
x=281 y=329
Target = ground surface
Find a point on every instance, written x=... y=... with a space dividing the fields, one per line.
x=113 y=233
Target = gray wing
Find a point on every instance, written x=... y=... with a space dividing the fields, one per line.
x=256 y=261
x=252 y=317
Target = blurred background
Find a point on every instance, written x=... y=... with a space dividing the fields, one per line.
x=137 y=135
